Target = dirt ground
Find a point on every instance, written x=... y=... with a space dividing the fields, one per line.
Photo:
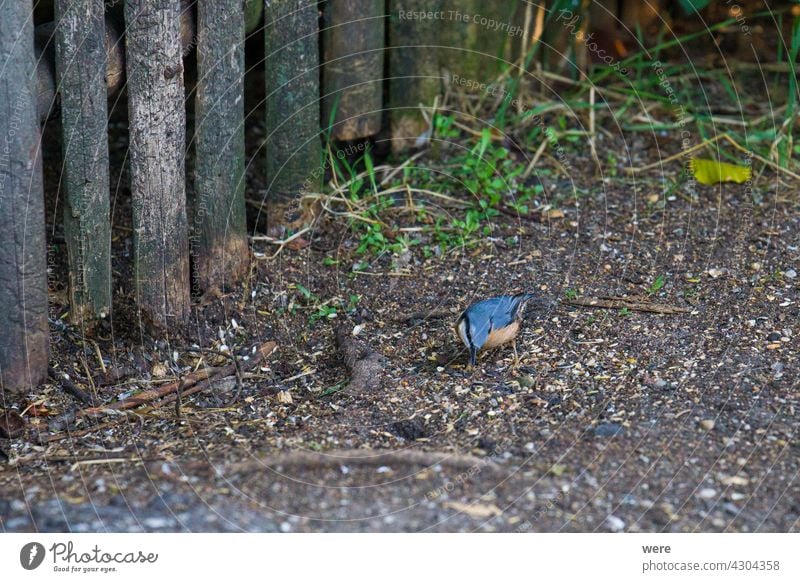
x=611 y=420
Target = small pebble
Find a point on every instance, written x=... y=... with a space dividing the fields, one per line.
x=707 y=493
x=614 y=523
x=790 y=274
x=707 y=424
x=608 y=429
x=774 y=337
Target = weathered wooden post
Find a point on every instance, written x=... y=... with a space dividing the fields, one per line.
x=23 y=256
x=81 y=69
x=353 y=43
x=291 y=54
x=157 y=121
x=475 y=33
x=253 y=11
x=219 y=237
x=414 y=77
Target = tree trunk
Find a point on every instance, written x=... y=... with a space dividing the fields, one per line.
x=157 y=144
x=219 y=237
x=414 y=77
x=23 y=262
x=353 y=42
x=81 y=68
x=293 y=147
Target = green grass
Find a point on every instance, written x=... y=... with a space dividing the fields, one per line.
x=656 y=285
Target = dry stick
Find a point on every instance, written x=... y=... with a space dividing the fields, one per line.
x=70 y=388
x=181 y=389
x=622 y=302
x=535 y=158
x=365 y=365
x=203 y=377
x=60 y=436
x=592 y=131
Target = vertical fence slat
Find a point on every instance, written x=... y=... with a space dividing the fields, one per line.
x=157 y=121
x=81 y=68
x=219 y=237
x=413 y=68
x=23 y=256
x=473 y=44
x=293 y=147
x=253 y=11
x=353 y=40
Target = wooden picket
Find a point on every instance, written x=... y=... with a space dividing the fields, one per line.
x=219 y=237
x=291 y=56
x=157 y=126
x=23 y=262
x=352 y=47
x=81 y=69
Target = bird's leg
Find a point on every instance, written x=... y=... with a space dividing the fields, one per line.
x=516 y=355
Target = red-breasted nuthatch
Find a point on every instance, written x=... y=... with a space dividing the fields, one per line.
x=491 y=322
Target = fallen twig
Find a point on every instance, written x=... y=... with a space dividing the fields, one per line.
x=200 y=380
x=625 y=303
x=70 y=388
x=44 y=439
x=365 y=365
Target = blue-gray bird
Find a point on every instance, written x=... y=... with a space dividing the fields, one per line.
x=491 y=322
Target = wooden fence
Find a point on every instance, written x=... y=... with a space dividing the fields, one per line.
x=92 y=49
